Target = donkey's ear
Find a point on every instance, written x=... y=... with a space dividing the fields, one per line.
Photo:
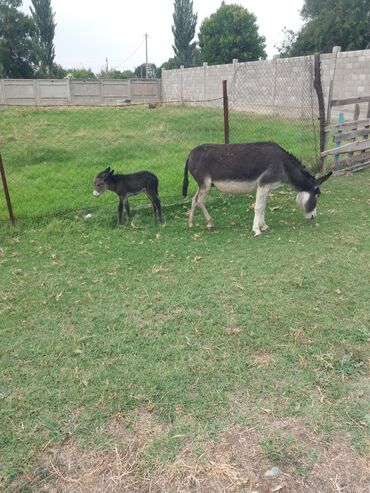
x=111 y=172
x=105 y=171
x=324 y=178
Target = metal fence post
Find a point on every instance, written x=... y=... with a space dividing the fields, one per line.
x=181 y=84
x=6 y=191
x=205 y=65
x=226 y=111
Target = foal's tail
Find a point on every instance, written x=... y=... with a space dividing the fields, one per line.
x=185 y=183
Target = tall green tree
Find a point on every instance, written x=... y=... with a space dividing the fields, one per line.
x=329 y=23
x=183 y=29
x=17 y=57
x=44 y=19
x=231 y=32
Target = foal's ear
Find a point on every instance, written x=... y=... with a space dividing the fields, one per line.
x=324 y=178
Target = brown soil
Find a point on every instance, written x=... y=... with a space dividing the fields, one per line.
x=235 y=463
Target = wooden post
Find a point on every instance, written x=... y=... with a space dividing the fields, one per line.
x=6 y=191
x=320 y=98
x=226 y=111
x=356 y=116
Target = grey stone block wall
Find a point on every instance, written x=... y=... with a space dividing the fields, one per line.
x=281 y=86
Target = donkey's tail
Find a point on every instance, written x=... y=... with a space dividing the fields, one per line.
x=185 y=183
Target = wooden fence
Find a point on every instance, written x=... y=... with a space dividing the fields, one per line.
x=350 y=138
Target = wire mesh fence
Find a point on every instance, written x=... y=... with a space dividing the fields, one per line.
x=51 y=154
x=276 y=100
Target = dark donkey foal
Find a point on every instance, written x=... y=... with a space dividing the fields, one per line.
x=126 y=185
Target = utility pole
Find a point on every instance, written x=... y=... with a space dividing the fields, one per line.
x=106 y=65
x=146 y=55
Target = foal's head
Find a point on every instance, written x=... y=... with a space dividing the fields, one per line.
x=101 y=181
x=307 y=201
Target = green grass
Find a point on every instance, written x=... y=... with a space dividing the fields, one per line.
x=205 y=329
x=52 y=155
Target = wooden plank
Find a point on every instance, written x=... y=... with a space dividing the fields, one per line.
x=352 y=147
x=339 y=143
x=356 y=117
x=356 y=158
x=343 y=126
x=361 y=132
x=353 y=169
x=344 y=102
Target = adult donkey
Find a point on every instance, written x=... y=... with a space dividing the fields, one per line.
x=242 y=168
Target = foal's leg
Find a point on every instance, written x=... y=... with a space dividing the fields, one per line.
x=120 y=210
x=259 y=210
x=123 y=201
x=127 y=207
x=156 y=203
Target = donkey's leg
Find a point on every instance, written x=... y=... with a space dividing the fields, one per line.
x=120 y=210
x=259 y=210
x=194 y=203
x=203 y=192
x=156 y=203
x=127 y=207
x=122 y=202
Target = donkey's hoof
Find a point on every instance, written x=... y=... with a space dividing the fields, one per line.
x=190 y=225
x=257 y=232
x=264 y=227
x=210 y=226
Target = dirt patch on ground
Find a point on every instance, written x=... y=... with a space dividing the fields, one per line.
x=237 y=462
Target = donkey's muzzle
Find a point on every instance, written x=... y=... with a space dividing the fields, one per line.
x=96 y=194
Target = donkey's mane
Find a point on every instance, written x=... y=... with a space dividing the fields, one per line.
x=298 y=163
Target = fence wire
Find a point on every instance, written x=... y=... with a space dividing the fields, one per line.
x=275 y=100
x=51 y=154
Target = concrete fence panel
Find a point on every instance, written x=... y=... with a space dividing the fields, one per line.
x=57 y=92
x=52 y=92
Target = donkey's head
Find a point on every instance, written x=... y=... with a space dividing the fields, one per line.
x=307 y=201
x=101 y=181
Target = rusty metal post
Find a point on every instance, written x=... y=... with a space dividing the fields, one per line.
x=226 y=111
x=6 y=191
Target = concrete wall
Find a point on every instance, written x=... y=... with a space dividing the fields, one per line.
x=280 y=86
x=60 y=92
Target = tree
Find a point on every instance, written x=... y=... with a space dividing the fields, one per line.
x=43 y=17
x=17 y=57
x=329 y=23
x=183 y=29
x=80 y=73
x=231 y=32
x=116 y=74
x=140 y=71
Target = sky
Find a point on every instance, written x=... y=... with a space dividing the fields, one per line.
x=89 y=32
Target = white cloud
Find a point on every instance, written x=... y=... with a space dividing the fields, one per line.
x=88 y=31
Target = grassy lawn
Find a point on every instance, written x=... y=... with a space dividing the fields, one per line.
x=52 y=155
x=141 y=350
